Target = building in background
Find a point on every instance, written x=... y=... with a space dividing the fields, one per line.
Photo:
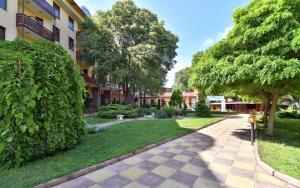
x=221 y=103
x=189 y=98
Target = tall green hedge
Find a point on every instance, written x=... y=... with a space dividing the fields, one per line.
x=40 y=101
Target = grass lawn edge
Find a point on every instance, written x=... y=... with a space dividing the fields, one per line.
x=93 y=168
x=273 y=172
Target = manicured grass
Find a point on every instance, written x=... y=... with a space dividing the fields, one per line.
x=96 y=148
x=282 y=152
x=92 y=120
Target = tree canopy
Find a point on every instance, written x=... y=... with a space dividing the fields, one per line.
x=259 y=57
x=176 y=99
x=182 y=79
x=130 y=45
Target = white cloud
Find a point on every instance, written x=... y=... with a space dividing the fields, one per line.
x=212 y=40
x=181 y=64
x=223 y=34
x=208 y=42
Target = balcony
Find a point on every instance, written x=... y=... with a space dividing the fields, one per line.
x=32 y=28
x=40 y=7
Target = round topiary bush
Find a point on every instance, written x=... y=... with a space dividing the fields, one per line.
x=41 y=101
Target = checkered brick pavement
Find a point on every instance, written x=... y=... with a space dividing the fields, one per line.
x=218 y=156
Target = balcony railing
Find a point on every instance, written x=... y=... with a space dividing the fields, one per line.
x=46 y=6
x=31 y=24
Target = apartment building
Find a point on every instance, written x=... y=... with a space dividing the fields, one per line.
x=54 y=20
x=57 y=21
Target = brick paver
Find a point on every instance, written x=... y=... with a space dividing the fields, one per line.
x=218 y=156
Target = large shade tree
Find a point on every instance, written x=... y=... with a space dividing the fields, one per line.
x=260 y=56
x=182 y=79
x=130 y=45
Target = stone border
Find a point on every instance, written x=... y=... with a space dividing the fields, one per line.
x=273 y=172
x=96 y=167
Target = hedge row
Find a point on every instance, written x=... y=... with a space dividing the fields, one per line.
x=40 y=101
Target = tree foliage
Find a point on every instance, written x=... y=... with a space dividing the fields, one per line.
x=130 y=45
x=176 y=98
x=182 y=79
x=40 y=101
x=260 y=56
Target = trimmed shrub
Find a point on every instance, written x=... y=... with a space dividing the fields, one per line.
x=288 y=115
x=182 y=112
x=202 y=110
x=112 y=110
x=152 y=110
x=40 y=102
x=167 y=112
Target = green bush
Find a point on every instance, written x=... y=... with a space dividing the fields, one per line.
x=40 y=102
x=202 y=110
x=111 y=111
x=167 y=112
x=288 y=115
x=182 y=112
x=152 y=110
x=142 y=111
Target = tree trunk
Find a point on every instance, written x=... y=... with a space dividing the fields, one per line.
x=265 y=117
x=272 y=113
x=262 y=107
x=144 y=100
x=141 y=103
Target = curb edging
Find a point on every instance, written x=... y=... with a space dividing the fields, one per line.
x=273 y=172
x=96 y=167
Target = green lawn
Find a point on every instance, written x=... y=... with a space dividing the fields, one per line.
x=283 y=151
x=96 y=148
x=92 y=120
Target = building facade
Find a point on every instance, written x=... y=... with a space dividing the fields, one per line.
x=189 y=98
x=54 y=20
x=221 y=103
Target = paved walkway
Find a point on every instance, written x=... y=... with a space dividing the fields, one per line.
x=217 y=156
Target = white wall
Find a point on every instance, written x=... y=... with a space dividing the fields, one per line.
x=8 y=19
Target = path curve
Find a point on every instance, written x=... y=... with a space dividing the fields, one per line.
x=220 y=155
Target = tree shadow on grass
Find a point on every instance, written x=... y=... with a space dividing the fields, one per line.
x=94 y=149
x=190 y=146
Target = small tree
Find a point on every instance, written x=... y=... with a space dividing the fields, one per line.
x=176 y=98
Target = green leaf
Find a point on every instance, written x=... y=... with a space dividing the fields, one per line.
x=23 y=128
x=9 y=139
x=2 y=147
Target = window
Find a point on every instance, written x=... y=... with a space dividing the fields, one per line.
x=40 y=21
x=71 y=44
x=2 y=33
x=3 y=4
x=56 y=10
x=71 y=23
x=56 y=32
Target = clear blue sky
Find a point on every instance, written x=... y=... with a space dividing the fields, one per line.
x=197 y=23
